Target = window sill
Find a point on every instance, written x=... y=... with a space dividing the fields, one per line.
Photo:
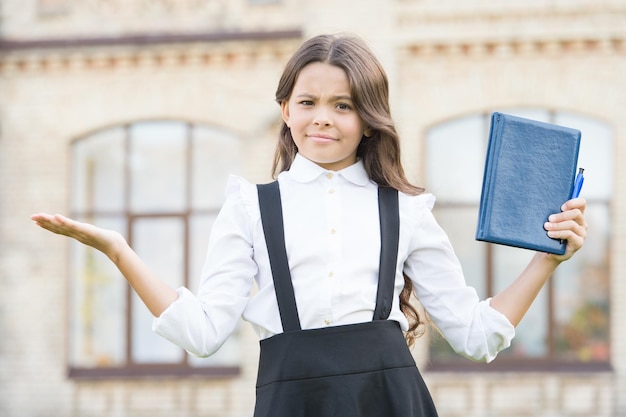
x=145 y=371
x=519 y=366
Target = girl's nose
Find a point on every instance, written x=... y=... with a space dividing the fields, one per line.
x=321 y=117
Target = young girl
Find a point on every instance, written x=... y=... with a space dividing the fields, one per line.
x=336 y=246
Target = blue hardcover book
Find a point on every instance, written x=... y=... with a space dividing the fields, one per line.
x=529 y=173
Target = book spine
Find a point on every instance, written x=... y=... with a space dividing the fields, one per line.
x=491 y=159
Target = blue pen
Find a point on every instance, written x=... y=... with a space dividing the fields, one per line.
x=578 y=183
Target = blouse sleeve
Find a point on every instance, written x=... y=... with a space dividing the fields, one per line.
x=201 y=323
x=472 y=327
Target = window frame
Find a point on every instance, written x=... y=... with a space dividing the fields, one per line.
x=548 y=363
x=131 y=368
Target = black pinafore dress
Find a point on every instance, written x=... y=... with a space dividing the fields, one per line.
x=356 y=370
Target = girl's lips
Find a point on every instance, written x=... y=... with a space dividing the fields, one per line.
x=321 y=138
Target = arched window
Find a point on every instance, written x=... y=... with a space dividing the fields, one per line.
x=568 y=325
x=160 y=184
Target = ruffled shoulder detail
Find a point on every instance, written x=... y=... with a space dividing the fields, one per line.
x=240 y=191
x=414 y=208
x=417 y=202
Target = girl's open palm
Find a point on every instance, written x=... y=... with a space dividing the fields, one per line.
x=103 y=240
x=155 y=293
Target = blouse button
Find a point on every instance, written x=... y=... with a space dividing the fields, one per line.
x=329 y=176
x=327 y=322
x=333 y=231
x=331 y=191
x=331 y=274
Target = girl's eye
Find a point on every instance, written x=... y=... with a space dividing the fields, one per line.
x=343 y=106
x=306 y=102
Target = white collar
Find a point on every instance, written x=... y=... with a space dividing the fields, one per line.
x=304 y=170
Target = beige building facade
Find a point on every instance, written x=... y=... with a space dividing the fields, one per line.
x=73 y=73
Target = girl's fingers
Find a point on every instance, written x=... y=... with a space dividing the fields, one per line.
x=573 y=204
x=59 y=224
x=572 y=219
x=572 y=210
x=566 y=231
x=54 y=223
x=569 y=225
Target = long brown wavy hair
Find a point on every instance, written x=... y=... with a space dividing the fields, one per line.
x=380 y=152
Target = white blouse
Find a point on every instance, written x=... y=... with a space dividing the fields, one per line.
x=332 y=239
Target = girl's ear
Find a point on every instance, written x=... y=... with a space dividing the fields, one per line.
x=284 y=107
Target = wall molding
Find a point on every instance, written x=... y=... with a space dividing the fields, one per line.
x=150 y=50
x=511 y=47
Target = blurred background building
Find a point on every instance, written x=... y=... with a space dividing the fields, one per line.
x=132 y=114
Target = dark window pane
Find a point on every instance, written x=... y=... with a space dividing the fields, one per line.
x=596 y=155
x=98 y=305
x=582 y=296
x=98 y=180
x=160 y=244
x=157 y=167
x=214 y=157
x=531 y=340
x=455 y=152
x=199 y=229
x=460 y=224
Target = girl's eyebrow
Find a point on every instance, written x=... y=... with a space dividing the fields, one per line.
x=306 y=95
x=333 y=98
x=342 y=97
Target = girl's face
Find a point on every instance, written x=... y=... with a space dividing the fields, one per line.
x=321 y=116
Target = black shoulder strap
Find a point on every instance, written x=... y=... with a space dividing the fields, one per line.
x=388 y=210
x=272 y=220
